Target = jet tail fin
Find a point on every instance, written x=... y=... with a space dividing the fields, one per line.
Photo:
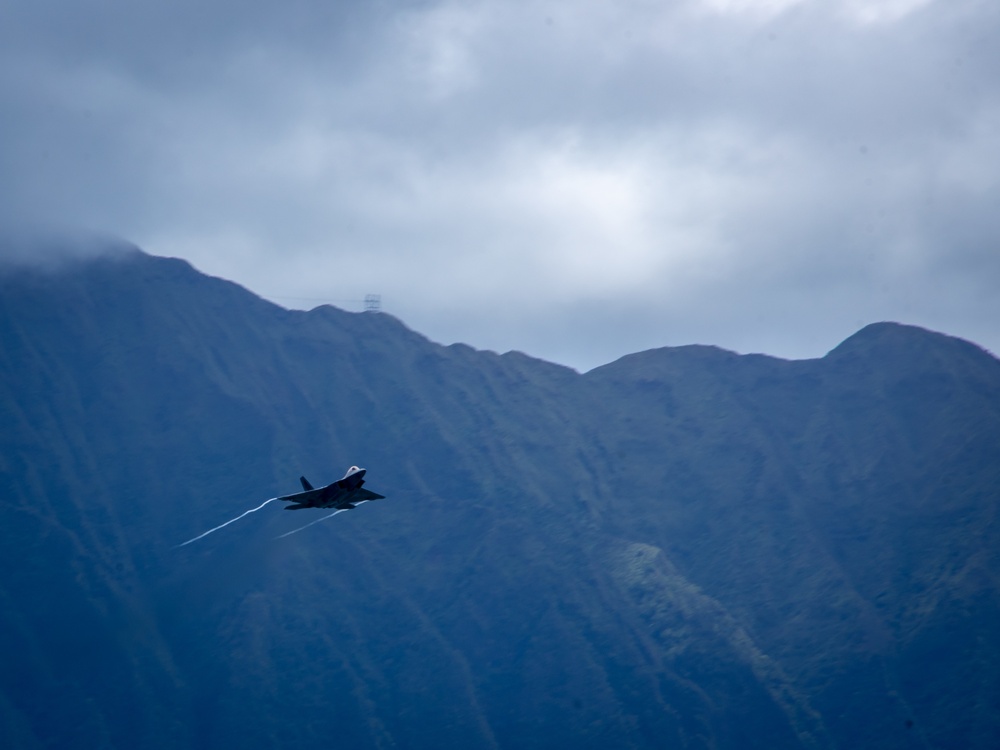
x=305 y=484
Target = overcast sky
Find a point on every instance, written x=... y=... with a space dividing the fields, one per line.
x=575 y=180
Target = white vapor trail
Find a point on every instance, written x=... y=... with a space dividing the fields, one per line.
x=289 y=533
x=252 y=510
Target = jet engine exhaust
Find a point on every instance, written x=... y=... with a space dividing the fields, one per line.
x=331 y=515
x=252 y=510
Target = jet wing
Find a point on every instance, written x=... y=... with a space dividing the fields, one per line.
x=309 y=497
x=331 y=496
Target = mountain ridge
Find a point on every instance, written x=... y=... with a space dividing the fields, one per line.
x=685 y=546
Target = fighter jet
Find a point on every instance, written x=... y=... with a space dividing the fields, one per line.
x=344 y=494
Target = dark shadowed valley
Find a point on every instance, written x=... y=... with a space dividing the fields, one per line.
x=685 y=548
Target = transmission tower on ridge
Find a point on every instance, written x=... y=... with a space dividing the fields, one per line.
x=373 y=303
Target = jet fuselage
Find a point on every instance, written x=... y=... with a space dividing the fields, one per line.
x=345 y=493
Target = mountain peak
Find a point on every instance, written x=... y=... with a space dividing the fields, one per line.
x=902 y=343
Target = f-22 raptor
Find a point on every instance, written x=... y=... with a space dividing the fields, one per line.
x=344 y=494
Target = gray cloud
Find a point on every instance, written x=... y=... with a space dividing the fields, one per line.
x=576 y=181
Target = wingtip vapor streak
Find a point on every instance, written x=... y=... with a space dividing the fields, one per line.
x=344 y=494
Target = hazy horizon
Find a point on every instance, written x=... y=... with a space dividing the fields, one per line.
x=573 y=181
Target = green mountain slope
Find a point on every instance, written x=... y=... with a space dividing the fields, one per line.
x=684 y=548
